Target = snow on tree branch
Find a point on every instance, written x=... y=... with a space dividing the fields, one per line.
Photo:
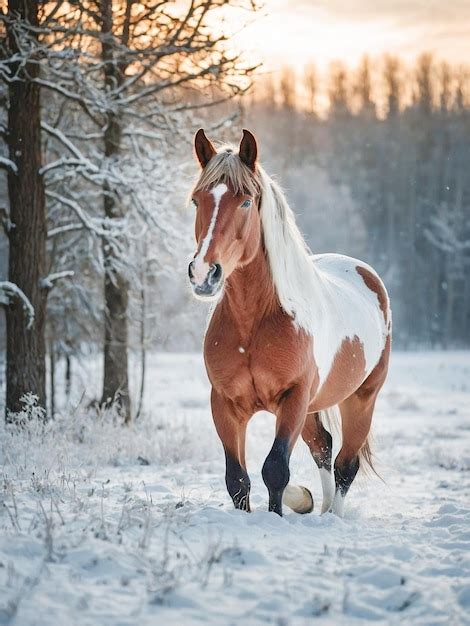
x=9 y=291
x=67 y=228
x=8 y=164
x=445 y=234
x=100 y=227
x=49 y=281
x=79 y=157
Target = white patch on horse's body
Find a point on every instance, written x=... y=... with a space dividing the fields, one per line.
x=344 y=308
x=324 y=294
x=201 y=268
x=241 y=350
x=328 y=487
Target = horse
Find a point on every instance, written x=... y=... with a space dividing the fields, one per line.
x=305 y=337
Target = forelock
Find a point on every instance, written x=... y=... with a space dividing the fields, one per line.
x=226 y=167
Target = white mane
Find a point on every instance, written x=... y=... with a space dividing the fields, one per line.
x=289 y=258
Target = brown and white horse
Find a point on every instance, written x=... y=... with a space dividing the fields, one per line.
x=304 y=337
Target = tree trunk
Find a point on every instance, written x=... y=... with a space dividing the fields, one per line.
x=116 y=287
x=143 y=324
x=68 y=375
x=52 y=363
x=26 y=350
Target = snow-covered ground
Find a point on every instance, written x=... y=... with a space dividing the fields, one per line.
x=118 y=526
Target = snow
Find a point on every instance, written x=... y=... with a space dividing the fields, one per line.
x=108 y=525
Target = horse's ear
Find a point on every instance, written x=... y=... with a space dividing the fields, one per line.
x=203 y=147
x=248 y=151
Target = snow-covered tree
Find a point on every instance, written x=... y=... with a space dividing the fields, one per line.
x=121 y=82
x=26 y=222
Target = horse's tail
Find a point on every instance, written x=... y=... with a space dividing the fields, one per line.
x=366 y=456
x=331 y=420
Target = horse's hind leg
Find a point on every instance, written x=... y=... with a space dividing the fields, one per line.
x=356 y=417
x=319 y=442
x=231 y=428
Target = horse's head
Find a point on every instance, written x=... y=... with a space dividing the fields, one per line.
x=228 y=227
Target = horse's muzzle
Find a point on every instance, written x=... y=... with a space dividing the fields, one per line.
x=212 y=283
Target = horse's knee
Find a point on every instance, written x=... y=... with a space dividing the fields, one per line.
x=275 y=470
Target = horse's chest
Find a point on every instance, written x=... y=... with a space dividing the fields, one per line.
x=254 y=371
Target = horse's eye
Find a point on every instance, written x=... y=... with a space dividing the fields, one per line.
x=194 y=202
x=247 y=204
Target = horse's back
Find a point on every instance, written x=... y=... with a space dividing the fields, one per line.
x=341 y=265
x=351 y=278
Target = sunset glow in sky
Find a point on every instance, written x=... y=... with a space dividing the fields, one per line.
x=296 y=32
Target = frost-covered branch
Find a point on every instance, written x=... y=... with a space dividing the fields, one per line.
x=445 y=234
x=8 y=164
x=9 y=291
x=67 y=228
x=65 y=141
x=96 y=226
x=49 y=281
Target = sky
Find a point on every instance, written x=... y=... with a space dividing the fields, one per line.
x=296 y=32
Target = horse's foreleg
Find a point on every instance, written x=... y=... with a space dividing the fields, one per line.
x=231 y=428
x=319 y=442
x=290 y=420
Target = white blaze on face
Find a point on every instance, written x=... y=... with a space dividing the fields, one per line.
x=200 y=267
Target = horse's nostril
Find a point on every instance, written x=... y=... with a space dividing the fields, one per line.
x=215 y=271
x=191 y=269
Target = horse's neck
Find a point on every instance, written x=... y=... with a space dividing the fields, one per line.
x=250 y=294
